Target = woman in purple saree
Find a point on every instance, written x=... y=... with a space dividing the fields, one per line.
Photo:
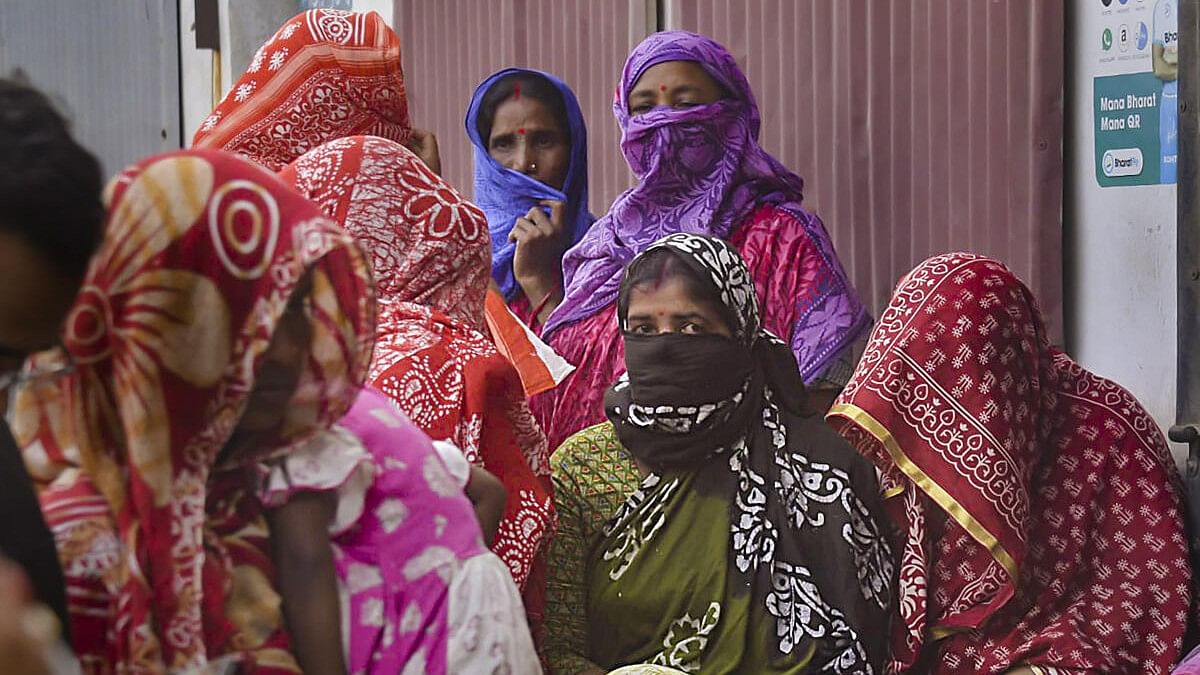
x=690 y=128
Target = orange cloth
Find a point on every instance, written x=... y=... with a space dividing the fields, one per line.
x=540 y=368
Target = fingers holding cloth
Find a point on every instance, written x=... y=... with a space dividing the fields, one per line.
x=539 y=237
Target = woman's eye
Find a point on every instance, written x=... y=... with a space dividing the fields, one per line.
x=545 y=143
x=502 y=144
x=685 y=104
x=642 y=329
x=691 y=328
x=640 y=109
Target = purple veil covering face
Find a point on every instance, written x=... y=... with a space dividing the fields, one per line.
x=701 y=171
x=505 y=195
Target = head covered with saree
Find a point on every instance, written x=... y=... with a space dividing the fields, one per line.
x=203 y=251
x=429 y=251
x=803 y=541
x=1039 y=504
x=505 y=194
x=325 y=74
x=700 y=170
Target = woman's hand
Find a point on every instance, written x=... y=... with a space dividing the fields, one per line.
x=424 y=144
x=537 y=263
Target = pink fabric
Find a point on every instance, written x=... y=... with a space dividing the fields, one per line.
x=1190 y=665
x=522 y=308
x=784 y=263
x=396 y=563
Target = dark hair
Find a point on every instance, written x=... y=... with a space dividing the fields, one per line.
x=49 y=184
x=653 y=269
x=532 y=85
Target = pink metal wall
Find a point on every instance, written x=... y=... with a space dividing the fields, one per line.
x=920 y=126
x=450 y=46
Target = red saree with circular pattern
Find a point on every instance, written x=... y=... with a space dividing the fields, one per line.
x=166 y=553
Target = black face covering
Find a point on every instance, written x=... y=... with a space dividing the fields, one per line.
x=683 y=399
x=685 y=370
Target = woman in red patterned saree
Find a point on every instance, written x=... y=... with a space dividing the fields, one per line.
x=430 y=252
x=165 y=545
x=1039 y=506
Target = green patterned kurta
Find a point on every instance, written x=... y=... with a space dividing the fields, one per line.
x=593 y=475
x=656 y=590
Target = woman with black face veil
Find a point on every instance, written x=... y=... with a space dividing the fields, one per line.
x=713 y=524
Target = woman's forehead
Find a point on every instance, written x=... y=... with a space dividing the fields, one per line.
x=672 y=74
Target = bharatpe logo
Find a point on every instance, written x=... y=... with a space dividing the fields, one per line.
x=1122 y=162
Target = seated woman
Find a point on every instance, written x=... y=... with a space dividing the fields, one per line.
x=178 y=392
x=51 y=219
x=787 y=572
x=690 y=134
x=429 y=255
x=531 y=181
x=1039 y=506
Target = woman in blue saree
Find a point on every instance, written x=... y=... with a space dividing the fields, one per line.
x=531 y=181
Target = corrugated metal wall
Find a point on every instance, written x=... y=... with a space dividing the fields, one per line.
x=113 y=67
x=919 y=125
x=450 y=46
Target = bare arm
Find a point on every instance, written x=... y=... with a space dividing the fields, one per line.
x=308 y=581
x=488 y=495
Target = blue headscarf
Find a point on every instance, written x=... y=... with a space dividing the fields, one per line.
x=505 y=195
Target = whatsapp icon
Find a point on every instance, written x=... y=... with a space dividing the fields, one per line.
x=1106 y=39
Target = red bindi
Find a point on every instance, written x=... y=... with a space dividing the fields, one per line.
x=521 y=131
x=662 y=87
x=517 y=91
